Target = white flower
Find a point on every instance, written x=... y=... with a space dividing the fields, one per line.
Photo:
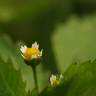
x=31 y=53
x=55 y=80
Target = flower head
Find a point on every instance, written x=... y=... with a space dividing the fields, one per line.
x=31 y=53
x=55 y=80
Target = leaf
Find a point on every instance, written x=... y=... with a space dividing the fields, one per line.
x=74 y=41
x=82 y=83
x=8 y=50
x=11 y=83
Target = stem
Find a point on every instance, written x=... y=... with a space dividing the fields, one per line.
x=35 y=78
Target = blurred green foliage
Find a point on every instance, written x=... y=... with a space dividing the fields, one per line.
x=11 y=83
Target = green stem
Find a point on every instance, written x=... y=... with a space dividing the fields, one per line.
x=35 y=78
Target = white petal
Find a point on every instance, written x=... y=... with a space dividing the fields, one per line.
x=53 y=77
x=35 y=45
x=23 y=48
x=52 y=82
x=23 y=56
x=61 y=76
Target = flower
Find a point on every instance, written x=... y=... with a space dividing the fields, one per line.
x=31 y=53
x=55 y=80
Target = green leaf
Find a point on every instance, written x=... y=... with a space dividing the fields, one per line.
x=8 y=50
x=11 y=83
x=81 y=79
x=74 y=41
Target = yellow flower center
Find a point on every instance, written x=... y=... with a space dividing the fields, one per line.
x=31 y=52
x=56 y=82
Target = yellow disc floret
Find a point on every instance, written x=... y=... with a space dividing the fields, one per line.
x=55 y=82
x=32 y=53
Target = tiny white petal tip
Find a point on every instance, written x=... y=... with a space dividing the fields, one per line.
x=23 y=49
x=23 y=56
x=35 y=45
x=61 y=76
